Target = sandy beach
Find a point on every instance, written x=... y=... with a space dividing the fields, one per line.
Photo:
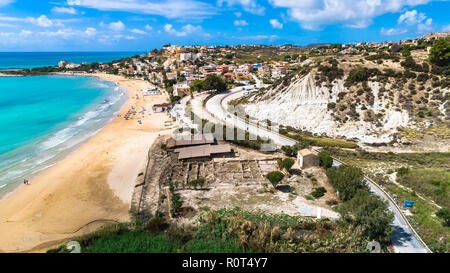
x=90 y=188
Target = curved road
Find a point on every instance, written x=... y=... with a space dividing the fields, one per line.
x=404 y=239
x=214 y=107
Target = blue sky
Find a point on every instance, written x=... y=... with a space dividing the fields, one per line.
x=134 y=25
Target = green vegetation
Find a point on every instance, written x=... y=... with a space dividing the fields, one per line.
x=325 y=160
x=319 y=192
x=423 y=177
x=287 y=163
x=290 y=150
x=440 y=52
x=444 y=214
x=226 y=231
x=348 y=180
x=368 y=213
x=214 y=81
x=434 y=183
x=176 y=203
x=197 y=182
x=360 y=74
x=275 y=177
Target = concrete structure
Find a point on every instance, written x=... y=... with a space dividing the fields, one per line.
x=181 y=89
x=198 y=139
x=307 y=158
x=202 y=151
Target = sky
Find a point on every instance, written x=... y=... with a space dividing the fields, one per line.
x=141 y=25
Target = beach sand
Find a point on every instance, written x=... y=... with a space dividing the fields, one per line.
x=90 y=188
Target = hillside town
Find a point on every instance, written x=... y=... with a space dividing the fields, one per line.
x=179 y=69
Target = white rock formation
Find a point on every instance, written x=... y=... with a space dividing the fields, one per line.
x=303 y=105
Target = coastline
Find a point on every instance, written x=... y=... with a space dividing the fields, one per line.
x=89 y=188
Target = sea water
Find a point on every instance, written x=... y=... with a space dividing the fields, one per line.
x=17 y=60
x=44 y=118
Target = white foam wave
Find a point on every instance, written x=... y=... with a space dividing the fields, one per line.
x=45 y=154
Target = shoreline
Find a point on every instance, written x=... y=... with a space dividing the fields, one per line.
x=91 y=186
x=73 y=149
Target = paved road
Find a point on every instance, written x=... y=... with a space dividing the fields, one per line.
x=213 y=106
x=403 y=237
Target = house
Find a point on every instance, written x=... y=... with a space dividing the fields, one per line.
x=158 y=108
x=181 y=89
x=307 y=158
x=62 y=64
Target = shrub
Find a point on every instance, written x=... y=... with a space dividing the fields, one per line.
x=319 y=192
x=444 y=214
x=325 y=160
x=402 y=171
x=275 y=177
x=287 y=163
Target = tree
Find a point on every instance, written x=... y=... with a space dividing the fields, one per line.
x=197 y=85
x=347 y=180
x=275 y=177
x=325 y=160
x=440 y=52
x=444 y=214
x=214 y=81
x=369 y=213
x=287 y=163
x=289 y=150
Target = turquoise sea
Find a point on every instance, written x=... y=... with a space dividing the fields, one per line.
x=44 y=118
x=17 y=60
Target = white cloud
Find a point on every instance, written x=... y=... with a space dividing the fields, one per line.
x=392 y=31
x=128 y=37
x=446 y=28
x=68 y=10
x=41 y=21
x=185 y=30
x=312 y=14
x=117 y=26
x=411 y=17
x=426 y=26
x=270 y=38
x=61 y=33
x=167 y=8
x=138 y=31
x=148 y=27
x=25 y=33
x=248 y=5
x=241 y=23
x=5 y=2
x=276 y=24
x=90 y=32
x=238 y=14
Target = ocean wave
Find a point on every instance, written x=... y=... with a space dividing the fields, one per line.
x=26 y=161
